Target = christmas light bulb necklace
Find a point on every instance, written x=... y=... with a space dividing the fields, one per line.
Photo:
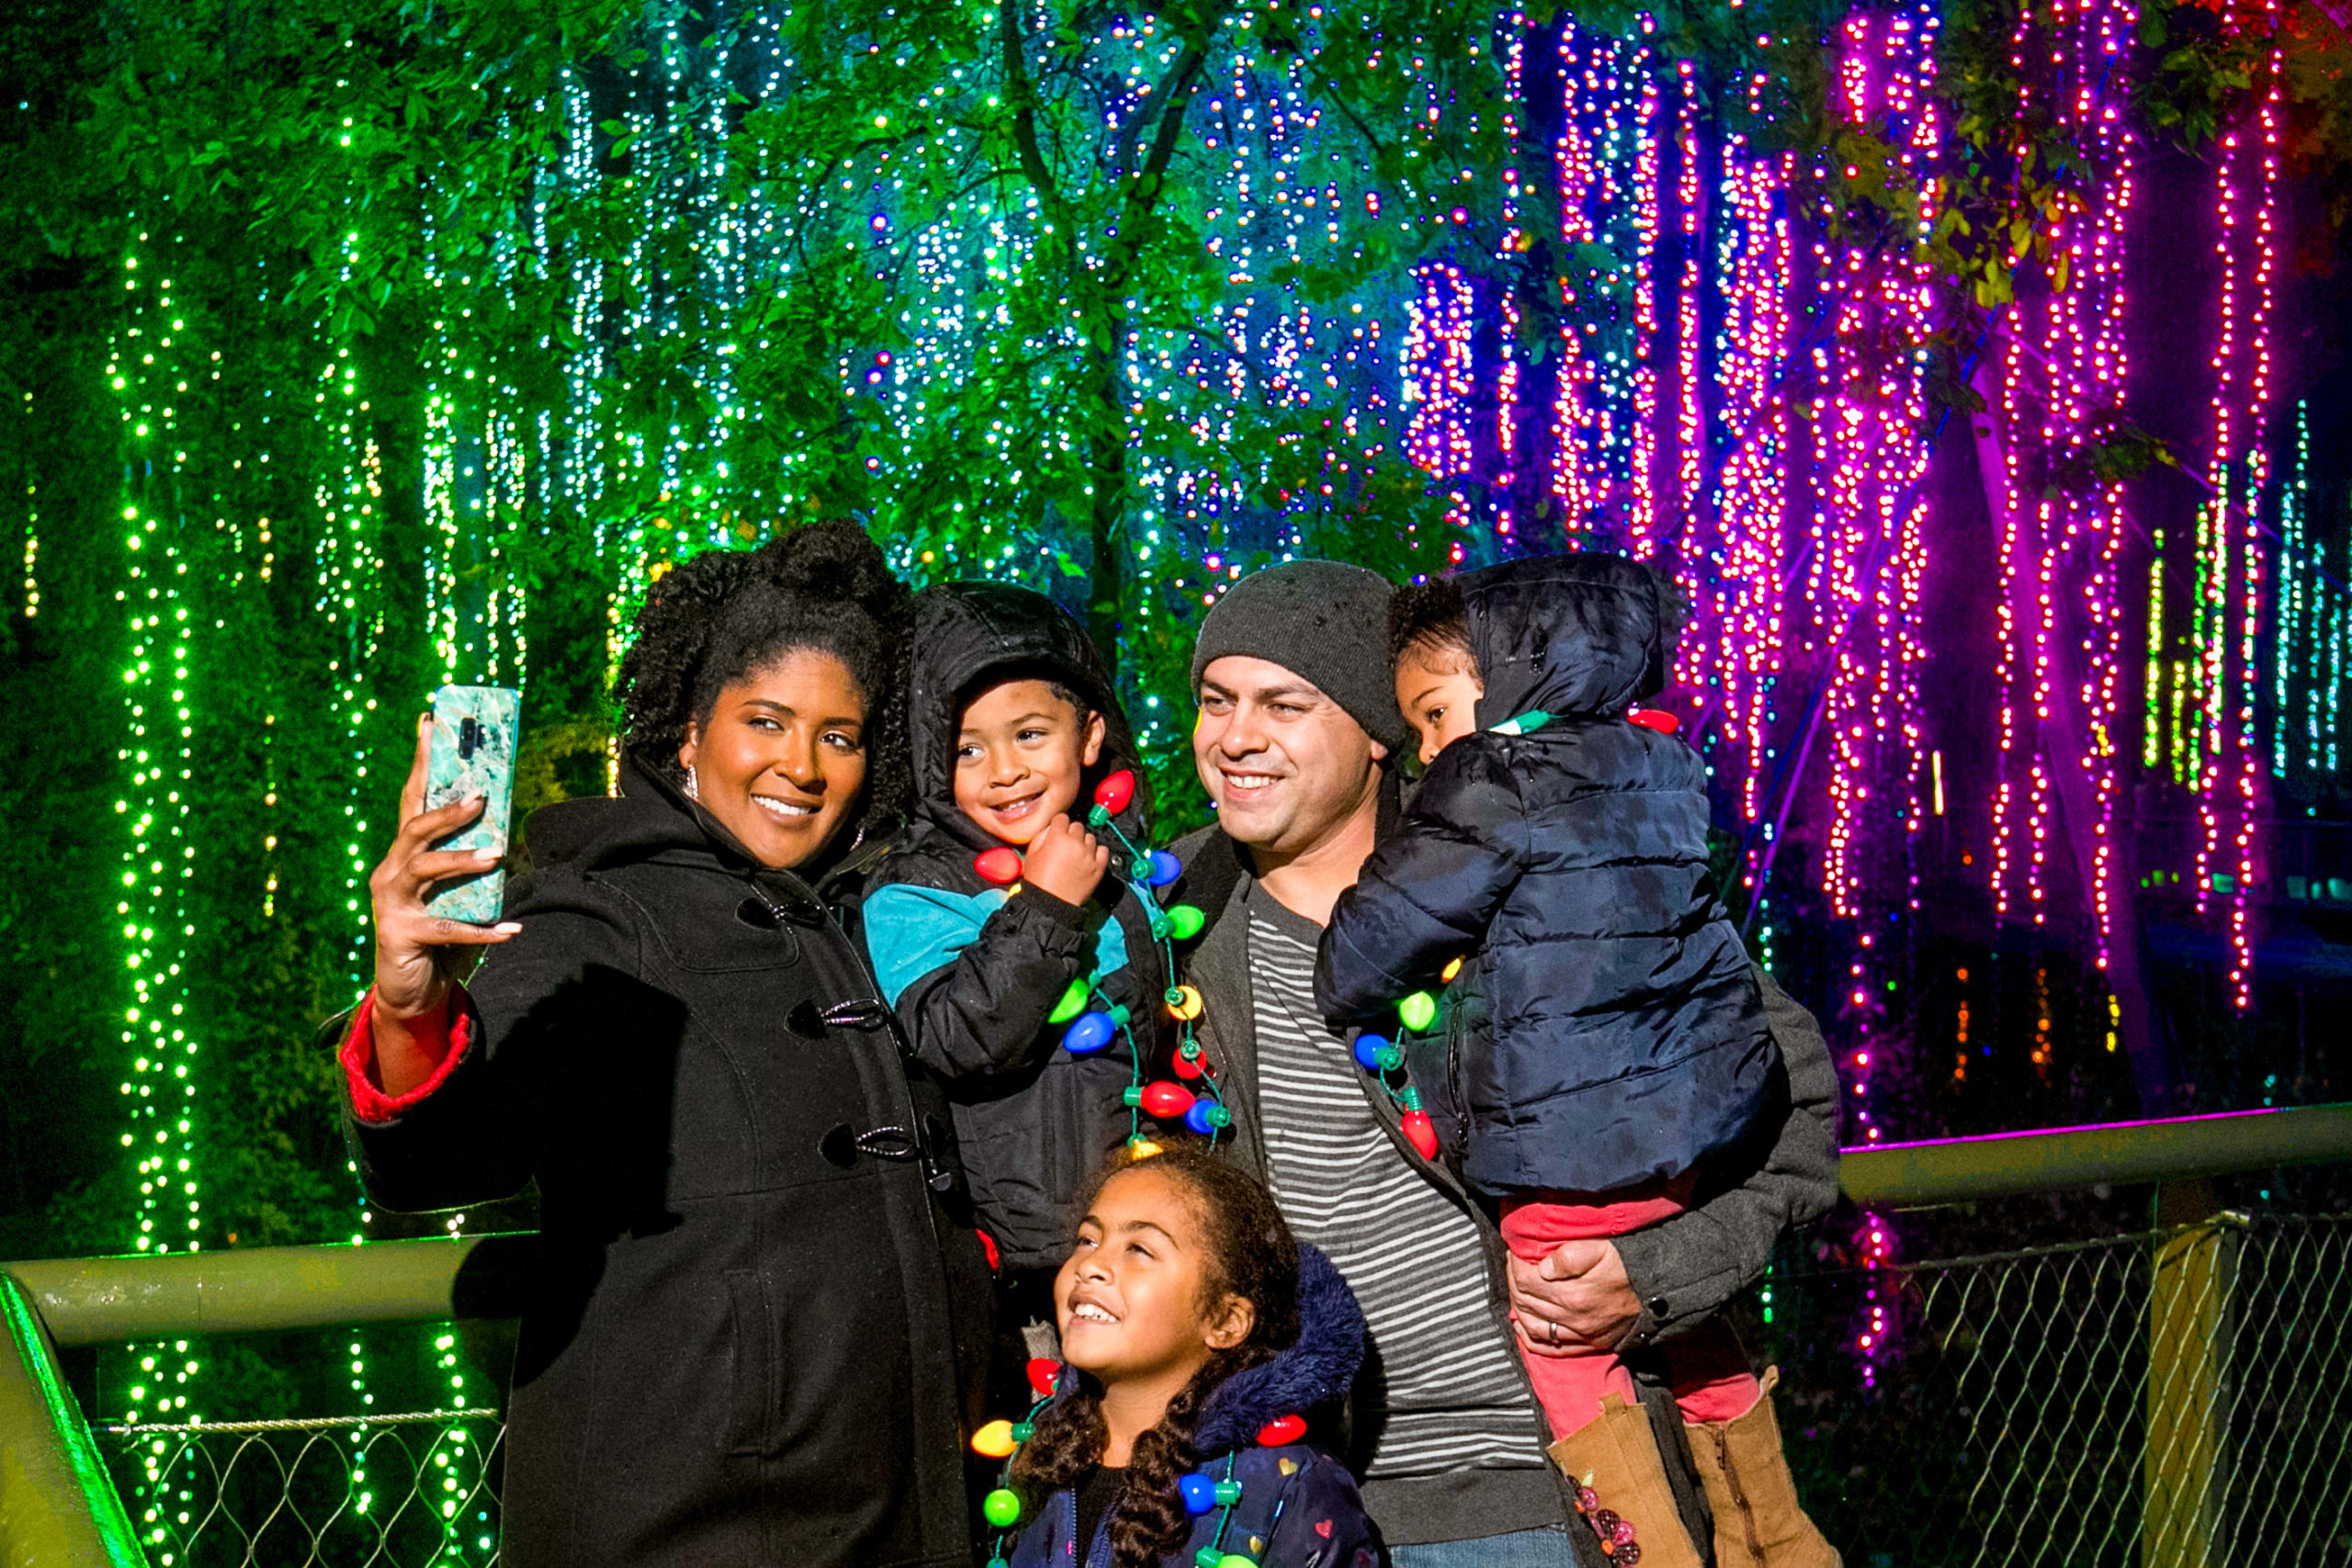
x=1094 y=1020
x=1200 y=1491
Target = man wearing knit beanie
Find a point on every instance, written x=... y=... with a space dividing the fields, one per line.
x=1298 y=719
x=1297 y=723
x=1324 y=620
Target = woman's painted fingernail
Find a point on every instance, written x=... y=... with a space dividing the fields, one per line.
x=508 y=927
x=487 y=855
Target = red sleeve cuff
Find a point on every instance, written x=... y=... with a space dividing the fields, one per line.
x=445 y=1043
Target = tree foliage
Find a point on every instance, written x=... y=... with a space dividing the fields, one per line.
x=979 y=276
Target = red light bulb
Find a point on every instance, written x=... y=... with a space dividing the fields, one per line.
x=1042 y=1370
x=1421 y=1133
x=1165 y=1100
x=1282 y=1430
x=1659 y=719
x=1001 y=866
x=1113 y=793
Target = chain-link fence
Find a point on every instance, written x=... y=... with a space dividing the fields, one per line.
x=2157 y=1401
x=373 y=1492
x=2165 y=1400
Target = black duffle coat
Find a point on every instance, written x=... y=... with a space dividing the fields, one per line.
x=757 y=1334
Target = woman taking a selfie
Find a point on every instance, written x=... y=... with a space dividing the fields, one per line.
x=742 y=1346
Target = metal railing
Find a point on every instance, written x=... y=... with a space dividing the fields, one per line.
x=2161 y=1400
x=364 y=1491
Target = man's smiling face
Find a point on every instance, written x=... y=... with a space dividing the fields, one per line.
x=1285 y=764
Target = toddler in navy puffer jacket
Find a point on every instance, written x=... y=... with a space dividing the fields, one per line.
x=1603 y=1034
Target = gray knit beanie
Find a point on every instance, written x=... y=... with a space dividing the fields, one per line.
x=1322 y=620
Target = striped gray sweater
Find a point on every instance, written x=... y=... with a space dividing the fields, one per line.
x=1451 y=1398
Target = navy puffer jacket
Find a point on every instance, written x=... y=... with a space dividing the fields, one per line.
x=1605 y=1029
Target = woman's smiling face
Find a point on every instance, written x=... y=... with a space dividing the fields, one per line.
x=780 y=759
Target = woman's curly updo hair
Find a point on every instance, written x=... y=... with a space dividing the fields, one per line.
x=714 y=619
x=1250 y=1254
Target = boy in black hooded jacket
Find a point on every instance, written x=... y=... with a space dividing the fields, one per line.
x=999 y=907
x=1602 y=1035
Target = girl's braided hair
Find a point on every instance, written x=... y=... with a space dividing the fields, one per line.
x=1252 y=1255
x=713 y=619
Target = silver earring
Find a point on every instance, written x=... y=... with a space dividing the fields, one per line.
x=694 y=785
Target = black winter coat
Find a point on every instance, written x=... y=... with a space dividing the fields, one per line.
x=744 y=1347
x=974 y=973
x=1605 y=1029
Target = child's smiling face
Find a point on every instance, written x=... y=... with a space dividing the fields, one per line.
x=1021 y=754
x=1130 y=1299
x=1437 y=691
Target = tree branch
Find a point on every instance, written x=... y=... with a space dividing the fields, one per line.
x=1175 y=94
x=1023 y=97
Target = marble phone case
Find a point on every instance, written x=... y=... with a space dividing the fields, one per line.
x=472 y=752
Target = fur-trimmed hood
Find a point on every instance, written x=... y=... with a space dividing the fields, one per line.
x=1317 y=1371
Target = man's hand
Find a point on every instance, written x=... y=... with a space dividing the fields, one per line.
x=1575 y=1302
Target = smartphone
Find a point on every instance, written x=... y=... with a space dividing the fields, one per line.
x=472 y=752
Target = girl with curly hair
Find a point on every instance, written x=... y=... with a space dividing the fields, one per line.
x=1197 y=1336
x=747 y=1339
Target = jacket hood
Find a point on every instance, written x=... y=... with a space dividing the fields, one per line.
x=964 y=632
x=1318 y=1370
x=1578 y=635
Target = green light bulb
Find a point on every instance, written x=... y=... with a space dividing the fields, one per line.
x=1073 y=1000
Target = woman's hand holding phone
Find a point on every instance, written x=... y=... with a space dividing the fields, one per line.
x=419 y=957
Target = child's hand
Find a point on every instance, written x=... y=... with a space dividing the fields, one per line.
x=1064 y=860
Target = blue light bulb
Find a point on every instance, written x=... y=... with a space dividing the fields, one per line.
x=1205 y=1116
x=1089 y=1034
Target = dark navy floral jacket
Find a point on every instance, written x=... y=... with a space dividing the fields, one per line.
x=1606 y=1028
x=1298 y=1506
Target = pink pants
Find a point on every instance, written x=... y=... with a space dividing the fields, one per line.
x=1706 y=1368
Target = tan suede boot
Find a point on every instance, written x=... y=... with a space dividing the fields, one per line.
x=1621 y=1489
x=1758 y=1523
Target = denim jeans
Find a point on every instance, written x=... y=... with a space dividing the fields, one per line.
x=1521 y=1549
